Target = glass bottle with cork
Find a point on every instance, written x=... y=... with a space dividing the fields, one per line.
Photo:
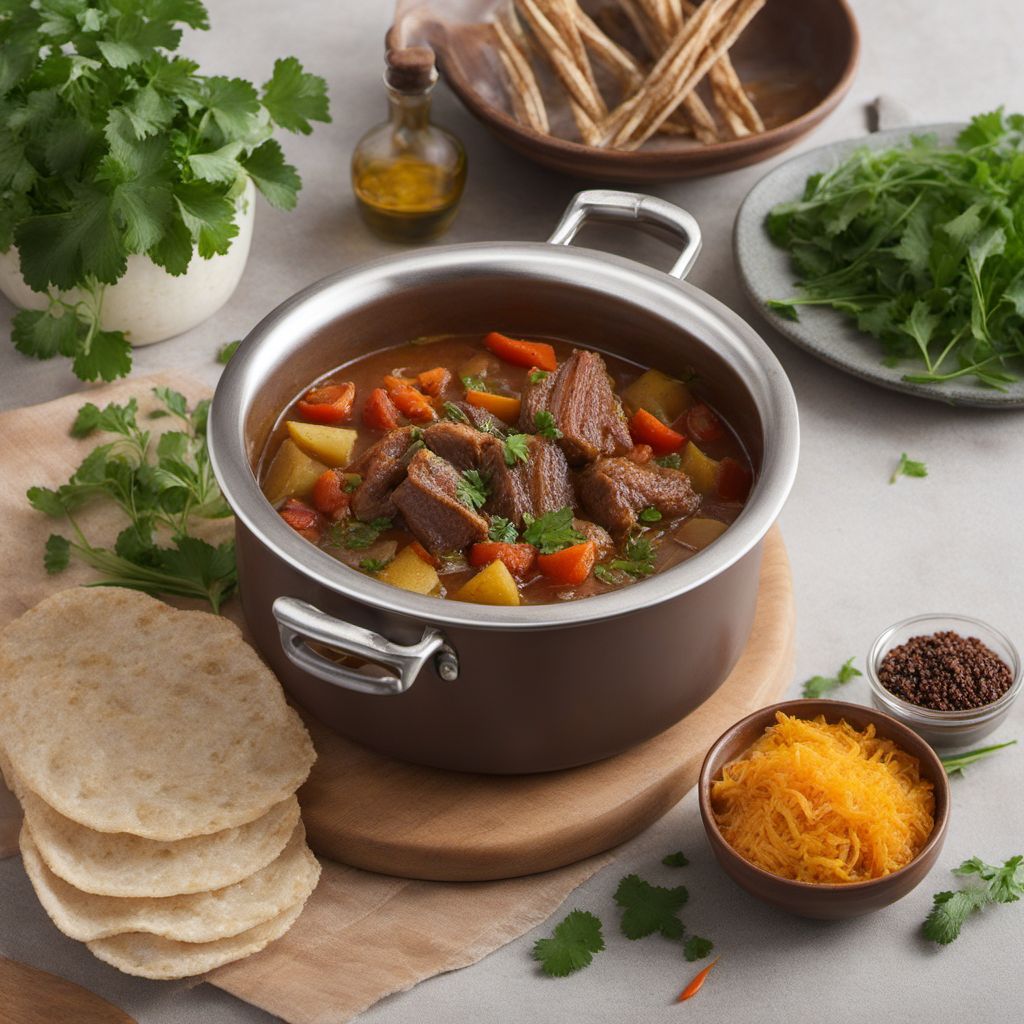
x=408 y=174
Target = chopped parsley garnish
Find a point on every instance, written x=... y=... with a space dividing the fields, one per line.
x=474 y=383
x=454 y=413
x=638 y=557
x=536 y=376
x=373 y=565
x=225 y=352
x=552 y=531
x=502 y=530
x=546 y=426
x=650 y=515
x=353 y=482
x=357 y=536
x=908 y=467
x=572 y=945
x=672 y=461
x=818 y=686
x=517 y=449
x=607 y=575
x=471 y=489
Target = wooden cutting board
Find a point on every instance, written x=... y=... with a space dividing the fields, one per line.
x=32 y=996
x=383 y=815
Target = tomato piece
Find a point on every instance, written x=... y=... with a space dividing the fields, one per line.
x=703 y=424
x=433 y=382
x=302 y=519
x=424 y=554
x=570 y=566
x=412 y=404
x=502 y=406
x=734 y=480
x=537 y=354
x=331 y=403
x=329 y=494
x=380 y=413
x=518 y=558
x=647 y=429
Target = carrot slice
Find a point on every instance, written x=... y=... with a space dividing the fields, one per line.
x=329 y=494
x=331 y=403
x=703 y=424
x=424 y=554
x=433 y=382
x=411 y=403
x=518 y=558
x=698 y=981
x=647 y=429
x=380 y=413
x=302 y=519
x=504 y=407
x=522 y=353
x=570 y=566
x=734 y=480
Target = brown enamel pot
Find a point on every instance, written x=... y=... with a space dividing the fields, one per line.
x=478 y=688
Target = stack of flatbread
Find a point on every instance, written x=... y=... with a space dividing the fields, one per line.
x=157 y=762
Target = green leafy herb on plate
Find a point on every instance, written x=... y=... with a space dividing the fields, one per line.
x=908 y=467
x=572 y=945
x=647 y=908
x=989 y=884
x=818 y=686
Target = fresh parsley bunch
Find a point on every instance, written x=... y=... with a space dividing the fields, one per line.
x=923 y=246
x=110 y=146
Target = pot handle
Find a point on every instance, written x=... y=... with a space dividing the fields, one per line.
x=300 y=622
x=604 y=204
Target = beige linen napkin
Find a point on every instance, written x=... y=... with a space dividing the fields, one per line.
x=362 y=936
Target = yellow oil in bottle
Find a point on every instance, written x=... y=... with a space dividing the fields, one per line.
x=407 y=173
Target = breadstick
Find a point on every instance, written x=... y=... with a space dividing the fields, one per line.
x=524 y=93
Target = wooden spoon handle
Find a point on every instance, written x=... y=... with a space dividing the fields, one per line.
x=32 y=996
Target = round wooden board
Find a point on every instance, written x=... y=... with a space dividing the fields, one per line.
x=32 y=996
x=395 y=818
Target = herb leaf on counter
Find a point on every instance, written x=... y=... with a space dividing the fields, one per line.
x=908 y=467
x=923 y=246
x=954 y=763
x=572 y=945
x=676 y=860
x=226 y=351
x=950 y=910
x=818 y=686
x=163 y=488
x=650 y=908
x=697 y=948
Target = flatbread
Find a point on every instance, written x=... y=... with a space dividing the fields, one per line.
x=127 y=715
x=199 y=918
x=119 y=864
x=149 y=956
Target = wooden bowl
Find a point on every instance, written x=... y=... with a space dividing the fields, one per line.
x=828 y=902
x=797 y=58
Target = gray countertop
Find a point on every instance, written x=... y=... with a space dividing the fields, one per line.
x=864 y=553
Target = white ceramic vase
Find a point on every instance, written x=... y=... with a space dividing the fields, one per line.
x=147 y=303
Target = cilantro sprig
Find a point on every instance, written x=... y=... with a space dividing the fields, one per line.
x=908 y=467
x=818 y=686
x=552 y=531
x=647 y=908
x=572 y=945
x=356 y=535
x=922 y=246
x=111 y=145
x=164 y=490
x=989 y=884
x=472 y=489
x=502 y=530
x=516 y=449
x=637 y=559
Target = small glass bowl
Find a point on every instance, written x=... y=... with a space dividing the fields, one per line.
x=945 y=728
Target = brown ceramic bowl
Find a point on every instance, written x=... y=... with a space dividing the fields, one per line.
x=797 y=58
x=829 y=902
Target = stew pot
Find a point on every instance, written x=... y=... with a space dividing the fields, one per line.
x=473 y=687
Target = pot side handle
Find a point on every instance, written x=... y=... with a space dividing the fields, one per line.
x=300 y=622
x=603 y=204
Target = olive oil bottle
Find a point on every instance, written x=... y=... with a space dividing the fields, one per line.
x=408 y=174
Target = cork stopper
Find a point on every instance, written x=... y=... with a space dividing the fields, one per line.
x=410 y=69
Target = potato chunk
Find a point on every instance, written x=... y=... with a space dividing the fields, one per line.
x=658 y=393
x=700 y=468
x=331 y=445
x=492 y=585
x=698 y=533
x=292 y=473
x=410 y=572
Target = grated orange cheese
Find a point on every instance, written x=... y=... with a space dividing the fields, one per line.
x=824 y=803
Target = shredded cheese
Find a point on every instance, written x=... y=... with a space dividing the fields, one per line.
x=824 y=803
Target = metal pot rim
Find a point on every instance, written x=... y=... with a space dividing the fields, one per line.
x=709 y=321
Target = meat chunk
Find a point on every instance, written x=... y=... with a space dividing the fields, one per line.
x=613 y=491
x=481 y=418
x=430 y=506
x=460 y=444
x=382 y=468
x=598 y=534
x=585 y=408
x=538 y=485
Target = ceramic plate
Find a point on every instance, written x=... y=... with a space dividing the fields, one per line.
x=766 y=273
